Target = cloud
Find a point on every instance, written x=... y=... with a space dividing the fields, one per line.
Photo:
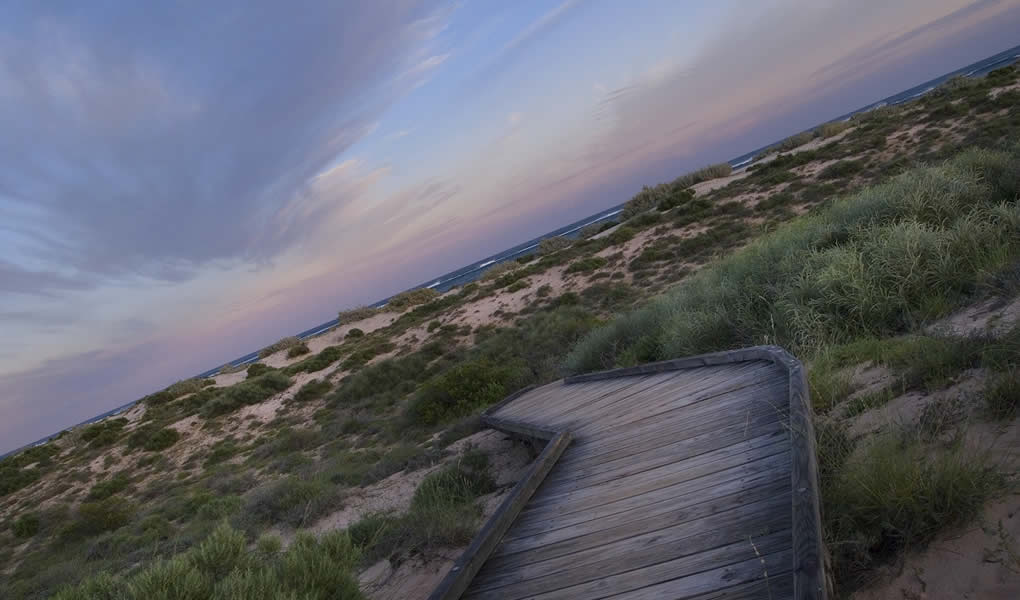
x=154 y=159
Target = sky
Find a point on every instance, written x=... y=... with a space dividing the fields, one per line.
x=184 y=182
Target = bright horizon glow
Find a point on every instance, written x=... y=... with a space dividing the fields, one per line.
x=180 y=186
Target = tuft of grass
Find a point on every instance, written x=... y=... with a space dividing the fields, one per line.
x=794 y=141
x=26 y=525
x=841 y=169
x=553 y=244
x=109 y=487
x=586 y=265
x=256 y=369
x=897 y=494
x=1002 y=395
x=251 y=391
x=282 y=344
x=312 y=390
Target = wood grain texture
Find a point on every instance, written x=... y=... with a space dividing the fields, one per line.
x=688 y=478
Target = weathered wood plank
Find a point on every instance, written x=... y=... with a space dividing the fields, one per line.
x=735 y=481
x=779 y=586
x=693 y=574
x=540 y=545
x=467 y=566
x=654 y=539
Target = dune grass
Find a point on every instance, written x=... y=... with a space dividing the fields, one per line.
x=223 y=567
x=282 y=344
x=874 y=264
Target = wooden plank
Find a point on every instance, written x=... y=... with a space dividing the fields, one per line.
x=557 y=395
x=630 y=554
x=678 y=382
x=666 y=453
x=718 y=460
x=758 y=568
x=646 y=482
x=643 y=538
x=697 y=573
x=633 y=441
x=779 y=586
x=463 y=571
x=760 y=385
x=747 y=488
x=519 y=428
x=540 y=545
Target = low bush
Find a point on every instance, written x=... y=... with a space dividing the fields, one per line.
x=293 y=500
x=152 y=438
x=104 y=433
x=587 y=265
x=312 y=390
x=703 y=174
x=256 y=369
x=841 y=169
x=109 y=487
x=298 y=350
x=553 y=244
x=282 y=344
x=354 y=334
x=320 y=361
x=405 y=300
x=26 y=525
x=96 y=517
x=1002 y=395
x=354 y=315
x=834 y=128
x=251 y=391
x=795 y=141
x=498 y=270
x=460 y=391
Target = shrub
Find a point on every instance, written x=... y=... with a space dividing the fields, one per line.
x=840 y=169
x=621 y=235
x=355 y=333
x=795 y=141
x=282 y=344
x=703 y=174
x=834 y=128
x=1002 y=395
x=26 y=526
x=188 y=386
x=96 y=517
x=298 y=350
x=459 y=391
x=104 y=433
x=292 y=500
x=111 y=486
x=152 y=438
x=498 y=270
x=256 y=369
x=251 y=391
x=405 y=300
x=553 y=244
x=312 y=390
x=543 y=290
x=354 y=315
x=320 y=361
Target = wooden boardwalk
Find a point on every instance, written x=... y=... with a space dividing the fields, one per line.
x=684 y=479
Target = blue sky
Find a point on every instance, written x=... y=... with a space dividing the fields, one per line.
x=184 y=182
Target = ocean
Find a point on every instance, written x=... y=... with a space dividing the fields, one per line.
x=474 y=270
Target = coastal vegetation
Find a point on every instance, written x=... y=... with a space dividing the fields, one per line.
x=857 y=254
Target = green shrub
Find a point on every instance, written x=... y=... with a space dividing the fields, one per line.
x=354 y=315
x=188 y=386
x=459 y=391
x=795 y=141
x=293 y=500
x=621 y=235
x=96 y=517
x=152 y=438
x=283 y=344
x=543 y=290
x=312 y=390
x=256 y=369
x=553 y=244
x=104 y=433
x=841 y=169
x=518 y=285
x=834 y=128
x=405 y=300
x=703 y=174
x=298 y=350
x=105 y=489
x=320 y=361
x=354 y=333
x=26 y=525
x=498 y=270
x=251 y=391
